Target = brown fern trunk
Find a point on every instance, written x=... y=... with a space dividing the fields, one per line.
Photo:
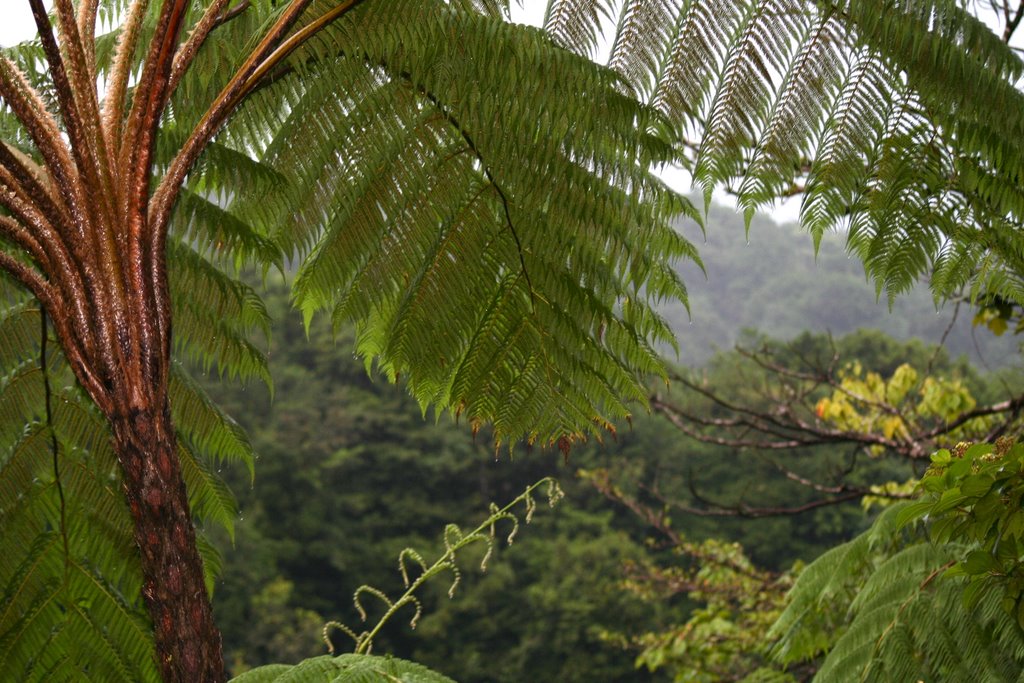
x=188 y=644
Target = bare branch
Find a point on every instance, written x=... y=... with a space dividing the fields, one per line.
x=1012 y=23
x=804 y=481
x=1012 y=407
x=782 y=416
x=658 y=520
x=680 y=420
x=745 y=511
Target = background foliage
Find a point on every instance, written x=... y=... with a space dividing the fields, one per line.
x=349 y=473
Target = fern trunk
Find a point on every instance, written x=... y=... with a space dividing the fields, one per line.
x=188 y=643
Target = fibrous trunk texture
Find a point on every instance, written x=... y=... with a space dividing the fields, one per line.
x=188 y=644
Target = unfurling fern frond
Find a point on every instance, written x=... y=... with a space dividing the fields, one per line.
x=416 y=572
x=360 y=665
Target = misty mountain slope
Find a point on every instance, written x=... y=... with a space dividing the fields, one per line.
x=774 y=283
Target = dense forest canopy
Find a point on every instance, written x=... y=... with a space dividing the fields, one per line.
x=555 y=605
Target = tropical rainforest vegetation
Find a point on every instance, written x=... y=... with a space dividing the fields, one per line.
x=586 y=577
x=476 y=203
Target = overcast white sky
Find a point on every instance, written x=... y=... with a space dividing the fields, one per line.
x=16 y=24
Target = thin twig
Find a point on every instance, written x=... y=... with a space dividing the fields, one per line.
x=945 y=335
x=1012 y=23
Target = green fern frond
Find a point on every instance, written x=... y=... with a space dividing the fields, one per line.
x=576 y=24
x=215 y=434
x=900 y=122
x=880 y=608
x=414 y=204
x=214 y=230
x=641 y=38
x=208 y=495
x=348 y=668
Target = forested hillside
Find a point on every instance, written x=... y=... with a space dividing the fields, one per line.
x=350 y=473
x=770 y=280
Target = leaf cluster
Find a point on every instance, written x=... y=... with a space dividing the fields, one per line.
x=896 y=122
x=973 y=494
x=916 y=597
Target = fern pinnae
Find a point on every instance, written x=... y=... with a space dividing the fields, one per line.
x=211 y=228
x=18 y=329
x=735 y=108
x=640 y=38
x=209 y=496
x=836 y=172
x=792 y=122
x=204 y=424
x=701 y=46
x=21 y=398
x=118 y=667
x=576 y=24
x=18 y=475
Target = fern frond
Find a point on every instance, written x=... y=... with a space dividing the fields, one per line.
x=414 y=204
x=880 y=608
x=348 y=668
x=899 y=121
x=641 y=38
x=215 y=434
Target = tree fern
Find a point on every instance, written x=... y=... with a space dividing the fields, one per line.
x=479 y=202
x=73 y=611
